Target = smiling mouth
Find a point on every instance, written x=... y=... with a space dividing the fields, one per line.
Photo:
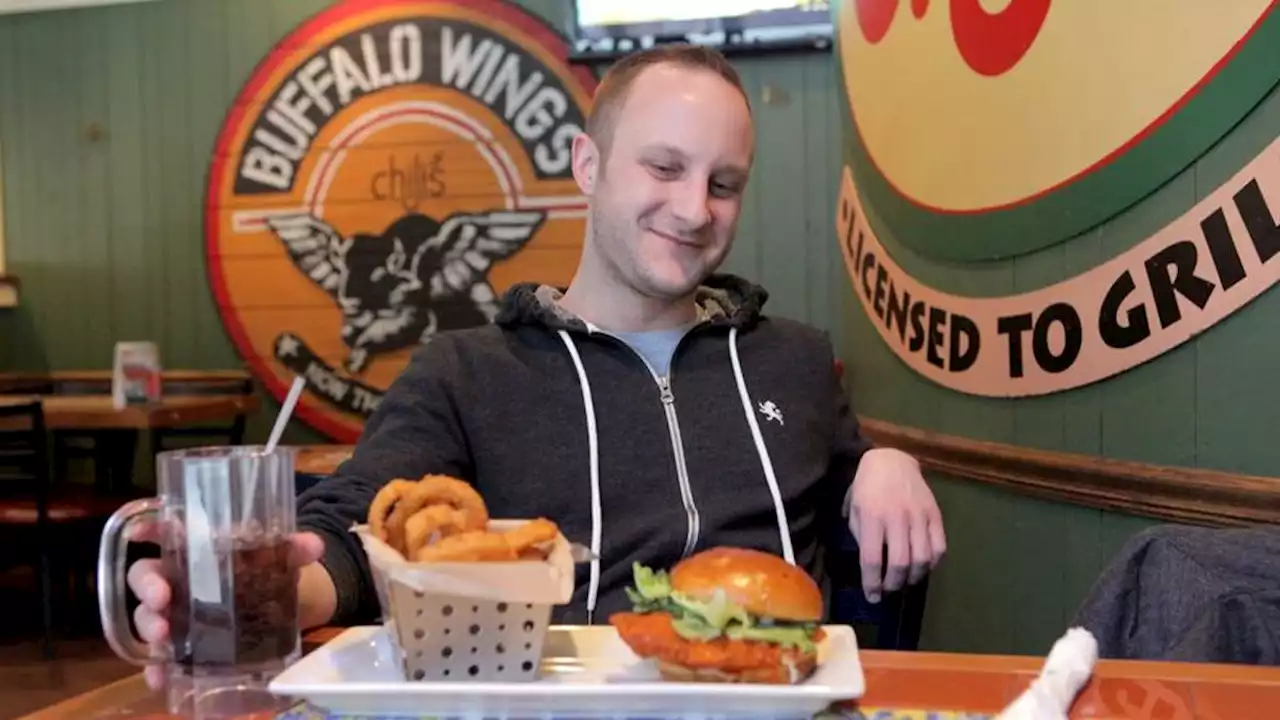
x=676 y=240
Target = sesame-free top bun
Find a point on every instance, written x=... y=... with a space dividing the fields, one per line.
x=764 y=585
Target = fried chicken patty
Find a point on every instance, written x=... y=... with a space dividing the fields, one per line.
x=652 y=635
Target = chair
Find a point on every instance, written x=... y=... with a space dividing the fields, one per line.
x=25 y=384
x=30 y=507
x=115 y=472
x=898 y=616
x=91 y=445
x=24 y=474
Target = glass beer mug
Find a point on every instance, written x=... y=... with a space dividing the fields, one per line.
x=223 y=518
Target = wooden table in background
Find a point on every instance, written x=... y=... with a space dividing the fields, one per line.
x=910 y=684
x=97 y=412
x=321 y=459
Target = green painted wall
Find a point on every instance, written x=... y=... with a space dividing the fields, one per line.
x=107 y=120
x=1018 y=568
x=106 y=233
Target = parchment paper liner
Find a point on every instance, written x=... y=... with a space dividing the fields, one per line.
x=472 y=621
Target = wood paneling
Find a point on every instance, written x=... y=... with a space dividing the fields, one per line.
x=108 y=118
x=1190 y=495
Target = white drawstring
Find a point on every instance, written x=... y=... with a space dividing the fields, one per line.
x=593 y=444
x=784 y=528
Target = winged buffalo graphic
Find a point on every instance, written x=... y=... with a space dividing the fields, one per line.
x=418 y=277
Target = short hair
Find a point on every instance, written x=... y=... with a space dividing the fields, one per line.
x=611 y=92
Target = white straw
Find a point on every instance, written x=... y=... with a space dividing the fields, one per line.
x=285 y=412
x=277 y=430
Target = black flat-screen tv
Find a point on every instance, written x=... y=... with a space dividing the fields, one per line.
x=614 y=27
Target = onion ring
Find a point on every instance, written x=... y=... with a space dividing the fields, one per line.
x=432 y=520
x=443 y=519
x=442 y=489
x=534 y=532
x=413 y=501
x=474 y=546
x=384 y=503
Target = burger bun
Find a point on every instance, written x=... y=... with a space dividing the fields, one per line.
x=764 y=585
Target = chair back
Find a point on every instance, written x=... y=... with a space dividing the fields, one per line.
x=221 y=433
x=25 y=384
x=24 y=456
x=896 y=619
x=173 y=382
x=82 y=384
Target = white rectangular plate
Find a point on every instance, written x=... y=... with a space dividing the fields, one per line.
x=585 y=671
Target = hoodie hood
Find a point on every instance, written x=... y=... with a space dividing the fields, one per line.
x=723 y=299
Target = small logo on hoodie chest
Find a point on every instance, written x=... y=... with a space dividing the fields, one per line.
x=771 y=412
x=379 y=180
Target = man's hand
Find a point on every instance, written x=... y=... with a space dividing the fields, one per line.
x=154 y=593
x=891 y=504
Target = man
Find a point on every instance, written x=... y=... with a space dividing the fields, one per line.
x=651 y=409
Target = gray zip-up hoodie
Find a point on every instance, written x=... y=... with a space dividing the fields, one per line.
x=750 y=442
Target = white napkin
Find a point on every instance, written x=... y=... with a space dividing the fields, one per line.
x=1066 y=670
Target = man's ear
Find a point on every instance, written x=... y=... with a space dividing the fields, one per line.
x=586 y=163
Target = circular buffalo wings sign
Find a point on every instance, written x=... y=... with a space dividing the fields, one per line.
x=387 y=172
x=989 y=128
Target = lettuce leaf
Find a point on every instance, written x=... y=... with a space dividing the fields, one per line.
x=652 y=590
x=702 y=620
x=798 y=636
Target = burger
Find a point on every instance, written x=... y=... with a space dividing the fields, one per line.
x=725 y=615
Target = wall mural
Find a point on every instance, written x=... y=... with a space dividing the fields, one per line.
x=989 y=128
x=389 y=169
x=979 y=133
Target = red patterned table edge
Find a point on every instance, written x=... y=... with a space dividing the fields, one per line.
x=917 y=685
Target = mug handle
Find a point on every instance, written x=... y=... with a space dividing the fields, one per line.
x=112 y=585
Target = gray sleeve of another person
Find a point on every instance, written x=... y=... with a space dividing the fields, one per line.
x=1190 y=594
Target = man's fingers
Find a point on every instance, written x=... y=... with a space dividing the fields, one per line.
x=870 y=547
x=148 y=584
x=937 y=536
x=144 y=531
x=307 y=548
x=921 y=551
x=152 y=628
x=155 y=676
x=898 y=537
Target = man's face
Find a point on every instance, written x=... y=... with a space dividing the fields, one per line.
x=666 y=199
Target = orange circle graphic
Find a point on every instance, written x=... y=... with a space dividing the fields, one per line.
x=387 y=172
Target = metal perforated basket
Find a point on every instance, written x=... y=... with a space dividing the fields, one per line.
x=448 y=637
x=469 y=622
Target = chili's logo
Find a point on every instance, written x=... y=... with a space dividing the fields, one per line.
x=387 y=171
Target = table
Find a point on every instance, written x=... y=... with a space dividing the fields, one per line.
x=915 y=685
x=118 y=429
x=321 y=460
x=97 y=412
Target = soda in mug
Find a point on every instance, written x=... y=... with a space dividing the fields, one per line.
x=224 y=517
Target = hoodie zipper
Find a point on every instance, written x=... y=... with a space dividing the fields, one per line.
x=668 y=398
x=682 y=470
